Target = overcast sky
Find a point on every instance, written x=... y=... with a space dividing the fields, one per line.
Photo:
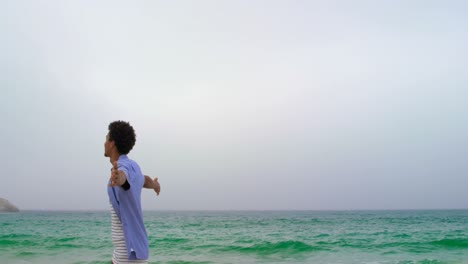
x=266 y=105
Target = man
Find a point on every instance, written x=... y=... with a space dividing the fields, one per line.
x=125 y=184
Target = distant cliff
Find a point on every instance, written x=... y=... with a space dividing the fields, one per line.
x=6 y=206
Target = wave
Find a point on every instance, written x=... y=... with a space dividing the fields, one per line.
x=289 y=248
x=451 y=243
x=409 y=246
x=49 y=243
x=18 y=240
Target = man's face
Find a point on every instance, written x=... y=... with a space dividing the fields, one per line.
x=107 y=146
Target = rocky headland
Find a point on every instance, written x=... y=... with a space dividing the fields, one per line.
x=6 y=206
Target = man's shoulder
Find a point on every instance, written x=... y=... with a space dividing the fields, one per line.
x=132 y=166
x=126 y=160
x=133 y=162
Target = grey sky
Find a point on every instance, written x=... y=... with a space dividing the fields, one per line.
x=237 y=104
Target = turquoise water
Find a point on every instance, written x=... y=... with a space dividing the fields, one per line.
x=244 y=237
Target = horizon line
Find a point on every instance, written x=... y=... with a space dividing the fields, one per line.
x=246 y=210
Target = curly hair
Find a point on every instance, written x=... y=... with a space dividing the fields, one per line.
x=123 y=134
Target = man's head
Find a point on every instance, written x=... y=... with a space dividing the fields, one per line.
x=121 y=138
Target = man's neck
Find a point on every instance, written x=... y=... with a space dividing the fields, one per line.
x=114 y=157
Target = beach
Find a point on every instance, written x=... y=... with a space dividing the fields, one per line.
x=409 y=236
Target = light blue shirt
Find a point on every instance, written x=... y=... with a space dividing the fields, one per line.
x=127 y=206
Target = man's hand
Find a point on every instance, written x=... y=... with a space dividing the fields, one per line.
x=157 y=186
x=117 y=177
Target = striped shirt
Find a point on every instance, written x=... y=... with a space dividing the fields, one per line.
x=118 y=239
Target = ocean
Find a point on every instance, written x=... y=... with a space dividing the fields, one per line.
x=412 y=236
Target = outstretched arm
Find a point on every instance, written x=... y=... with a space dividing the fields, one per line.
x=152 y=184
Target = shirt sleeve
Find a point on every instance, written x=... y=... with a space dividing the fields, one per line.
x=126 y=185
